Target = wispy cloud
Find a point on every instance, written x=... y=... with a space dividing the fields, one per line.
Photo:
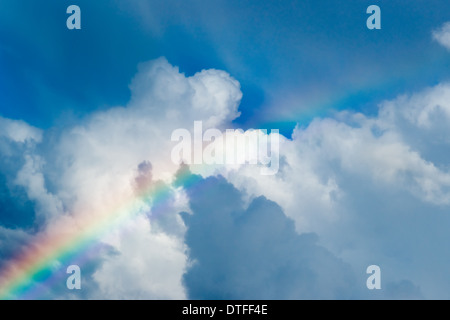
x=442 y=35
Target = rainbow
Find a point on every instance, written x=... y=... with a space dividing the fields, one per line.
x=29 y=274
x=20 y=279
x=372 y=90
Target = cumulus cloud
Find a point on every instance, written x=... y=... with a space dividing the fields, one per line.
x=254 y=252
x=148 y=265
x=160 y=91
x=31 y=178
x=369 y=185
x=19 y=131
x=111 y=160
x=98 y=161
x=150 y=253
x=352 y=190
x=18 y=142
x=402 y=148
x=442 y=35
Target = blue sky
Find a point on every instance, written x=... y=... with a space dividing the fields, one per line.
x=364 y=175
x=294 y=59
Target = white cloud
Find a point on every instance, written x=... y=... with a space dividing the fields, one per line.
x=48 y=206
x=253 y=252
x=18 y=142
x=92 y=170
x=335 y=170
x=19 y=131
x=148 y=266
x=442 y=35
x=377 y=149
x=354 y=180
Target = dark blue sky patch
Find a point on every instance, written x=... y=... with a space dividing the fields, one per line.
x=16 y=211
